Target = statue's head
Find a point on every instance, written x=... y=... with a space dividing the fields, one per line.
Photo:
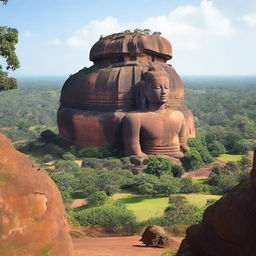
x=154 y=88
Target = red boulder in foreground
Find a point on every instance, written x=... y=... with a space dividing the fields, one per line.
x=32 y=217
x=228 y=227
x=154 y=236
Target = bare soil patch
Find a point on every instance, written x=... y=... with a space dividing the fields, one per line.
x=119 y=246
x=205 y=171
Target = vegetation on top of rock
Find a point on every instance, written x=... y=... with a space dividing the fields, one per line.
x=138 y=31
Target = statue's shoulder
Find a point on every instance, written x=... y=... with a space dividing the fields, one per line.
x=176 y=113
x=132 y=116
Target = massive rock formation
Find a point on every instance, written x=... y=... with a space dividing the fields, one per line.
x=94 y=101
x=228 y=227
x=32 y=217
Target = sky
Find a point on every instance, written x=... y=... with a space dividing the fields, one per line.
x=209 y=37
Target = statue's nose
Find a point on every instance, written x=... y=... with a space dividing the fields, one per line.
x=163 y=90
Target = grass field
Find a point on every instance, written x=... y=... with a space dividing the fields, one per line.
x=199 y=180
x=146 y=207
x=229 y=158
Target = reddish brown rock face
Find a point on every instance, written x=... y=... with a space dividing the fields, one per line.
x=154 y=236
x=228 y=227
x=95 y=100
x=32 y=216
x=156 y=129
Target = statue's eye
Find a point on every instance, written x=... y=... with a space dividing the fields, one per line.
x=157 y=86
x=166 y=87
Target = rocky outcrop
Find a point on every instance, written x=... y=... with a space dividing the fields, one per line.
x=32 y=217
x=96 y=99
x=228 y=227
x=154 y=236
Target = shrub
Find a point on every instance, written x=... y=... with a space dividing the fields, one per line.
x=216 y=148
x=143 y=183
x=66 y=166
x=157 y=166
x=186 y=185
x=94 y=163
x=48 y=135
x=168 y=185
x=192 y=160
x=112 y=164
x=197 y=144
x=47 y=158
x=69 y=156
x=97 y=198
x=180 y=211
x=115 y=218
x=66 y=183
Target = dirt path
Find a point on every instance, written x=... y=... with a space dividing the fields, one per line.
x=78 y=203
x=118 y=246
x=204 y=171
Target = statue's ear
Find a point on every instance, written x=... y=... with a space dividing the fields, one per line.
x=140 y=94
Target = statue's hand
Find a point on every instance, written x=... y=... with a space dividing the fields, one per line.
x=184 y=147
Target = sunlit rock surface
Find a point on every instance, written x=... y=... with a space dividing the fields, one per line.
x=33 y=221
x=94 y=100
x=228 y=227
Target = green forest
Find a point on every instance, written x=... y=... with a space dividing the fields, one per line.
x=116 y=189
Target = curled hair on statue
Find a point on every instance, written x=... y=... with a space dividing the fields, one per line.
x=141 y=86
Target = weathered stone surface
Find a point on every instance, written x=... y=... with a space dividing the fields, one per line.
x=228 y=227
x=32 y=217
x=94 y=100
x=154 y=236
x=154 y=129
x=131 y=45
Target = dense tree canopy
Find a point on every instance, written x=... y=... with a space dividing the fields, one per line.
x=8 y=41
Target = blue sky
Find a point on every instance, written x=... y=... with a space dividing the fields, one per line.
x=209 y=37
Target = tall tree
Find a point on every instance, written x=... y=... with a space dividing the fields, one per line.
x=8 y=41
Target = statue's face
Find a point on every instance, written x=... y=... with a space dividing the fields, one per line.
x=158 y=89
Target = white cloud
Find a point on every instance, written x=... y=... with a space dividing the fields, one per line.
x=55 y=41
x=250 y=20
x=188 y=26
x=87 y=35
x=185 y=27
x=203 y=38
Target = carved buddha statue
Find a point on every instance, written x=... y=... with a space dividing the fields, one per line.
x=154 y=129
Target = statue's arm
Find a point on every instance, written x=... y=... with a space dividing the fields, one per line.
x=183 y=137
x=131 y=135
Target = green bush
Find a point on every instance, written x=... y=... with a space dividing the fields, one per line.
x=180 y=211
x=216 y=148
x=69 y=156
x=168 y=185
x=47 y=158
x=186 y=185
x=97 y=198
x=143 y=183
x=157 y=166
x=66 y=166
x=198 y=145
x=66 y=183
x=94 y=163
x=115 y=218
x=112 y=164
x=192 y=160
